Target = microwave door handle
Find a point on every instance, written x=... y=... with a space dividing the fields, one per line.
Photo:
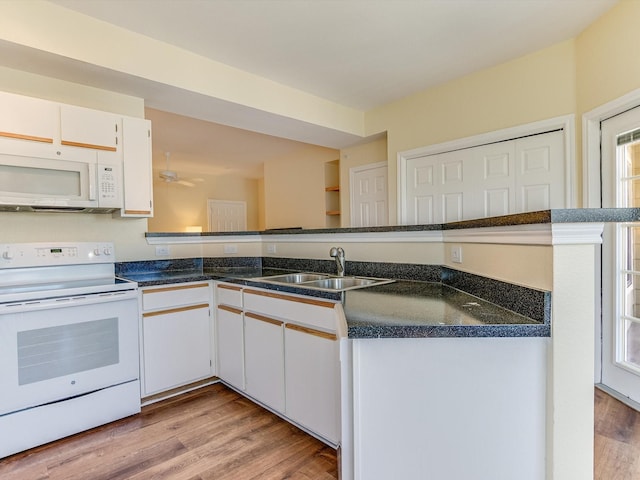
x=92 y=181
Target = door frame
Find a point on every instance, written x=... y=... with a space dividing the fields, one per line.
x=564 y=122
x=591 y=179
x=592 y=198
x=362 y=168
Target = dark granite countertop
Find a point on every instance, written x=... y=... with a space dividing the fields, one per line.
x=403 y=309
x=424 y=309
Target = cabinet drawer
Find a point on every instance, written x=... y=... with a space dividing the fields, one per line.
x=309 y=311
x=174 y=295
x=229 y=294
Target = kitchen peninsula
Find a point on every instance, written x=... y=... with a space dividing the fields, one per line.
x=503 y=403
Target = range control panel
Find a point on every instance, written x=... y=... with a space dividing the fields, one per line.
x=13 y=255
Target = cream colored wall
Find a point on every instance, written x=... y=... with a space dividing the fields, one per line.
x=605 y=63
x=400 y=252
x=294 y=188
x=24 y=83
x=531 y=88
x=48 y=27
x=178 y=206
x=527 y=265
x=371 y=152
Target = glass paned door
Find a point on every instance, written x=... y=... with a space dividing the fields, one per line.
x=620 y=145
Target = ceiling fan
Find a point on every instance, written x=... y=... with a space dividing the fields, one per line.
x=171 y=176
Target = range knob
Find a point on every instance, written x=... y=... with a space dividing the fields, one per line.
x=107 y=251
x=96 y=252
x=7 y=255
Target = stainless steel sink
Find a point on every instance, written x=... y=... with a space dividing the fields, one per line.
x=296 y=277
x=328 y=283
x=341 y=283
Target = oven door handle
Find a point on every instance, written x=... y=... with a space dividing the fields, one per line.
x=64 y=302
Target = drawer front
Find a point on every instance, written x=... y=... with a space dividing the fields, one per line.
x=175 y=295
x=229 y=294
x=308 y=311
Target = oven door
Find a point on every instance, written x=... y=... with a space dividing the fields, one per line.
x=59 y=348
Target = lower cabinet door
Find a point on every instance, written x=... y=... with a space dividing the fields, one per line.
x=177 y=347
x=230 y=342
x=264 y=359
x=312 y=380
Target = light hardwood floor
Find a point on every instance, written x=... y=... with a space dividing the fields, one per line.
x=211 y=433
x=617 y=439
x=215 y=433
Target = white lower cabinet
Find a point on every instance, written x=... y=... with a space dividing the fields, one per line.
x=264 y=359
x=230 y=345
x=313 y=380
x=283 y=351
x=176 y=336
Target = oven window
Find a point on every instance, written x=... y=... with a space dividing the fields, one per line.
x=51 y=352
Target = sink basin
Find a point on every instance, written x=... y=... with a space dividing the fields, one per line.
x=329 y=283
x=296 y=277
x=341 y=283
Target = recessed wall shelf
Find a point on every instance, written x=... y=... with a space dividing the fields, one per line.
x=332 y=193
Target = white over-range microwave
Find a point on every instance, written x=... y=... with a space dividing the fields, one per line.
x=78 y=182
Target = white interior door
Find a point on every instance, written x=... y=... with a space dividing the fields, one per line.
x=620 y=147
x=368 y=186
x=511 y=176
x=227 y=216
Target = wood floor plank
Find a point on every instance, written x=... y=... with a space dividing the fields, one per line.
x=211 y=433
x=216 y=434
x=616 y=440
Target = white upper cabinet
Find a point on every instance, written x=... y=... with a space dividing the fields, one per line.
x=27 y=118
x=37 y=128
x=137 y=170
x=87 y=128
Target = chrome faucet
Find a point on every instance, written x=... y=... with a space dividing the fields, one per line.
x=338 y=254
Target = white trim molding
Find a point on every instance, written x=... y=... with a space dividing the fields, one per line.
x=422 y=236
x=199 y=239
x=591 y=181
x=533 y=234
x=530 y=234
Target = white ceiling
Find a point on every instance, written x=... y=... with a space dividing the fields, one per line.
x=359 y=53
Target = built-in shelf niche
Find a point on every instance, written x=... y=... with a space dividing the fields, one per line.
x=332 y=193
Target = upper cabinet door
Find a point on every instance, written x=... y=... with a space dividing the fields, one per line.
x=27 y=118
x=86 y=128
x=136 y=156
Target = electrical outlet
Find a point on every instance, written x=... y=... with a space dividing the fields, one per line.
x=271 y=248
x=230 y=248
x=456 y=254
x=162 y=251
